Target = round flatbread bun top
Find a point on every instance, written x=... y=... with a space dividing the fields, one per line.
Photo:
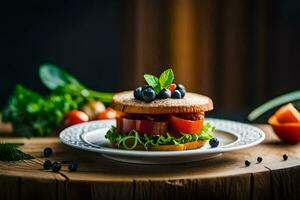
x=191 y=103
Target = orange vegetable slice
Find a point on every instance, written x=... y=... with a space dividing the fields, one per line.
x=288 y=132
x=287 y=114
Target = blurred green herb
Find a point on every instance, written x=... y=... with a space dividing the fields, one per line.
x=10 y=152
x=34 y=115
x=286 y=98
x=53 y=77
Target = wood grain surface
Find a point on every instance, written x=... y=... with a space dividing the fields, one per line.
x=224 y=177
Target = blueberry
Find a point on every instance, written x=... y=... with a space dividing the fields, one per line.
x=138 y=93
x=285 y=156
x=146 y=86
x=148 y=94
x=176 y=94
x=247 y=163
x=259 y=159
x=182 y=92
x=214 y=142
x=164 y=94
x=181 y=89
x=56 y=166
x=48 y=152
x=73 y=167
x=47 y=164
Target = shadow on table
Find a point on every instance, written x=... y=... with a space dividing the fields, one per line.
x=279 y=143
x=121 y=168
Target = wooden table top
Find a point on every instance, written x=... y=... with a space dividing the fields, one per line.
x=100 y=178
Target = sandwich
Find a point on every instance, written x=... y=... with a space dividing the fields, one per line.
x=161 y=116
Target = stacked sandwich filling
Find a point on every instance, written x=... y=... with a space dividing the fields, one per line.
x=162 y=124
x=137 y=131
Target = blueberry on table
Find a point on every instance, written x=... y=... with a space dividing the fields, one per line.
x=247 y=163
x=259 y=159
x=65 y=161
x=285 y=156
x=48 y=152
x=148 y=94
x=138 y=93
x=164 y=94
x=214 y=142
x=181 y=89
x=176 y=94
x=47 y=164
x=73 y=167
x=56 y=166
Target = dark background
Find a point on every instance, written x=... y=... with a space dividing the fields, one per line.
x=87 y=38
x=81 y=36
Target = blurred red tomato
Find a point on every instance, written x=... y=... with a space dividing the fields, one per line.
x=75 y=117
x=109 y=113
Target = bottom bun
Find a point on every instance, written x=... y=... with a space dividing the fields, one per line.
x=172 y=147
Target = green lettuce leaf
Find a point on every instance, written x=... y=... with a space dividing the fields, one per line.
x=133 y=138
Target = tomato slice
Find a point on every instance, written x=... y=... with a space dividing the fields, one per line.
x=149 y=127
x=179 y=125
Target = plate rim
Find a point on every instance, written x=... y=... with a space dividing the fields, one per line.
x=136 y=153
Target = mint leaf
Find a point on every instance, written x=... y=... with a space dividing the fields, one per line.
x=151 y=80
x=166 y=78
x=157 y=88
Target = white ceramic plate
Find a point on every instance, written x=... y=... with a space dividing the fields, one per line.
x=232 y=135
